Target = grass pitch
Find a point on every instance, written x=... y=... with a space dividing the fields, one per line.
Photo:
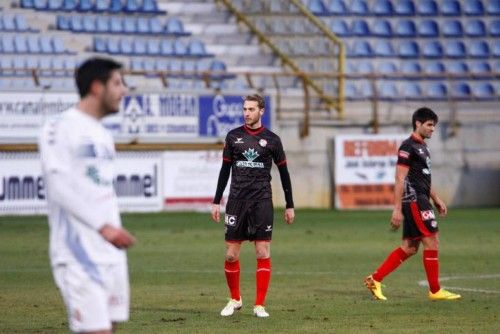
x=319 y=263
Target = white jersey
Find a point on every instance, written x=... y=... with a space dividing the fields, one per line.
x=77 y=156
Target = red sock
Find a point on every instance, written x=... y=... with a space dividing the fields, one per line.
x=431 y=265
x=232 y=270
x=263 y=276
x=390 y=264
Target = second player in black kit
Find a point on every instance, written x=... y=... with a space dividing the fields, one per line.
x=417 y=210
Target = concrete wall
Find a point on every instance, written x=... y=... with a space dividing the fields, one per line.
x=465 y=165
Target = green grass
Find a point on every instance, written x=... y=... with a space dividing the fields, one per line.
x=178 y=284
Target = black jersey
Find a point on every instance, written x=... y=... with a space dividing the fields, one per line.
x=251 y=153
x=414 y=154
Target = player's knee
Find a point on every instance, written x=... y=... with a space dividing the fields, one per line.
x=410 y=250
x=231 y=258
x=262 y=253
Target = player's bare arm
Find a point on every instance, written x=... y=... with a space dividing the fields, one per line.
x=440 y=205
x=397 y=215
x=119 y=237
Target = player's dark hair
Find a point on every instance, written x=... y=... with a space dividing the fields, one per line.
x=261 y=103
x=423 y=115
x=94 y=69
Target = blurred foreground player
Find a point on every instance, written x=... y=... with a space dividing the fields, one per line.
x=412 y=205
x=249 y=152
x=87 y=242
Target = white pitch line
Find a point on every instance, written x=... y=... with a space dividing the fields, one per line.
x=450 y=278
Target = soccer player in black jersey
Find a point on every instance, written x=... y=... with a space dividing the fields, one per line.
x=249 y=152
x=412 y=205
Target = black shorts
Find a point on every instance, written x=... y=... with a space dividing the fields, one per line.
x=249 y=220
x=419 y=219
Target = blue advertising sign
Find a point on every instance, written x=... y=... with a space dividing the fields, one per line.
x=221 y=113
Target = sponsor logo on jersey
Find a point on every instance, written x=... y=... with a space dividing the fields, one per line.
x=269 y=228
x=434 y=224
x=428 y=214
x=426 y=171
x=250 y=154
x=263 y=142
x=230 y=220
x=239 y=141
x=404 y=154
x=421 y=151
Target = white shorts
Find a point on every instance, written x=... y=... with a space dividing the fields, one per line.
x=95 y=296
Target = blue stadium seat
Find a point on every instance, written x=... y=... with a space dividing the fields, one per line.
x=85 y=6
x=34 y=44
x=405 y=28
x=365 y=89
x=143 y=26
x=497 y=67
x=46 y=44
x=473 y=8
x=337 y=7
x=427 y=8
x=6 y=64
x=180 y=48
x=196 y=48
x=365 y=67
x=475 y=28
x=150 y=6
x=21 y=24
x=404 y=8
x=149 y=66
x=62 y=22
x=481 y=67
x=21 y=44
x=493 y=7
x=360 y=28
x=359 y=7
x=383 y=48
x=57 y=67
x=129 y=24
x=76 y=23
x=136 y=64
x=54 y=5
x=339 y=27
x=140 y=47
x=102 y=23
x=124 y=46
x=383 y=8
x=162 y=64
x=494 y=28
x=153 y=47
x=351 y=91
x=412 y=90
x=115 y=24
x=457 y=68
x=174 y=26
x=361 y=48
x=387 y=68
x=436 y=91
x=27 y=4
x=408 y=49
x=428 y=28
x=436 y=69
x=69 y=65
x=166 y=47
x=454 y=49
x=432 y=49
x=132 y=6
x=89 y=24
x=58 y=45
x=317 y=7
x=69 y=5
x=461 y=90
x=115 y=6
x=483 y=90
x=7 y=42
x=101 y=5
x=451 y=8
x=496 y=49
x=155 y=26
x=452 y=28
x=8 y=22
x=382 y=28
x=478 y=49
x=32 y=63
x=350 y=68
x=387 y=90
x=113 y=46
x=40 y=4
x=410 y=68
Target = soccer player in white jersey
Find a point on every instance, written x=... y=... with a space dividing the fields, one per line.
x=87 y=241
